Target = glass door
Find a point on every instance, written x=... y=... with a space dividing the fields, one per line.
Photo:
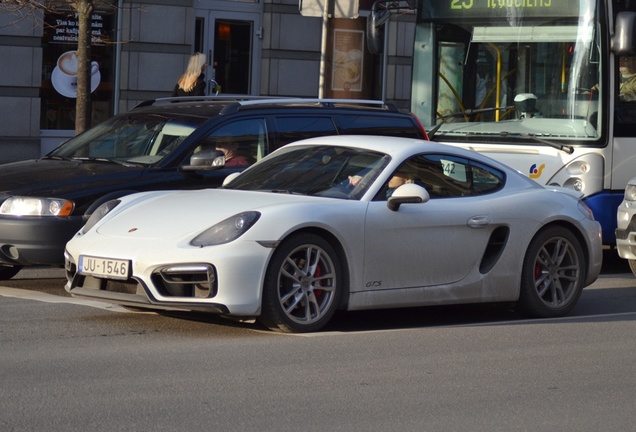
x=231 y=41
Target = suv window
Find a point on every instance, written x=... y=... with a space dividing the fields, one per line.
x=296 y=128
x=243 y=141
x=376 y=125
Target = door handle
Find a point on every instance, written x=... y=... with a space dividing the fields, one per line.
x=478 y=222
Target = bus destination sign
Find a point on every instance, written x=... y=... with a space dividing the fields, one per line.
x=475 y=9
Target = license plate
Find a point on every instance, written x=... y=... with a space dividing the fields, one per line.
x=104 y=267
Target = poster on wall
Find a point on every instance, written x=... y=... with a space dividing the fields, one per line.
x=348 y=55
x=64 y=74
x=59 y=68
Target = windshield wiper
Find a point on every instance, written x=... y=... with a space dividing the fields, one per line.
x=56 y=157
x=284 y=191
x=464 y=113
x=562 y=147
x=111 y=160
x=565 y=148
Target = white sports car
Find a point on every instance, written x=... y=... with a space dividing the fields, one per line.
x=343 y=223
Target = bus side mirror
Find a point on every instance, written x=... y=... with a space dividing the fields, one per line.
x=624 y=33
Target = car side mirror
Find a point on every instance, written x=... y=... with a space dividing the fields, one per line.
x=409 y=193
x=207 y=159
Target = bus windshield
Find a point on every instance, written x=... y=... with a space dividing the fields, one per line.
x=507 y=70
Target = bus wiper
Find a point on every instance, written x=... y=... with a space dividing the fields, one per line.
x=565 y=148
x=467 y=112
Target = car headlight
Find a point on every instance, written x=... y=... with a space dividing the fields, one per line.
x=99 y=214
x=228 y=230
x=630 y=192
x=29 y=206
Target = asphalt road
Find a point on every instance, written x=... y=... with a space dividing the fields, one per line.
x=78 y=366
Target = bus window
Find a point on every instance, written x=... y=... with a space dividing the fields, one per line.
x=482 y=71
x=530 y=84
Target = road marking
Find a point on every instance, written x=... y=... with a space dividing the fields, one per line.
x=51 y=298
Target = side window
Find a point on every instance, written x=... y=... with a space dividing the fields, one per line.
x=243 y=141
x=296 y=128
x=445 y=176
x=625 y=113
x=627 y=70
x=378 y=125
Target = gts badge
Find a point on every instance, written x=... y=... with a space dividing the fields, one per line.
x=536 y=172
x=374 y=284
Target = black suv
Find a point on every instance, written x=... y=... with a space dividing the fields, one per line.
x=172 y=143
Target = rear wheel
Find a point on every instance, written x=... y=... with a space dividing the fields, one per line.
x=7 y=272
x=302 y=285
x=553 y=274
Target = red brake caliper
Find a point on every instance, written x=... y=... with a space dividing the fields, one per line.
x=318 y=292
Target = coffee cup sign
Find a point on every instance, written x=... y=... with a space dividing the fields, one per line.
x=64 y=77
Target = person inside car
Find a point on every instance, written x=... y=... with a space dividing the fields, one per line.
x=400 y=177
x=229 y=149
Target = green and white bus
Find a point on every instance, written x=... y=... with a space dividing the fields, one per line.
x=536 y=84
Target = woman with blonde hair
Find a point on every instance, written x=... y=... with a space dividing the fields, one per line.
x=192 y=82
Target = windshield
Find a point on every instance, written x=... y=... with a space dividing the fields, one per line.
x=132 y=138
x=315 y=170
x=494 y=71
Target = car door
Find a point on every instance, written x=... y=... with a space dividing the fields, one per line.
x=427 y=244
x=438 y=242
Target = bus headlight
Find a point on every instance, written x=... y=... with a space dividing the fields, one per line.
x=575 y=183
x=630 y=192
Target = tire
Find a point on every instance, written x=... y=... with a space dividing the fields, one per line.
x=302 y=287
x=632 y=266
x=553 y=274
x=7 y=272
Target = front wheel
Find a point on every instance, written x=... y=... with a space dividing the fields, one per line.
x=302 y=285
x=553 y=274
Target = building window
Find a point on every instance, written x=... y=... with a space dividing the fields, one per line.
x=59 y=68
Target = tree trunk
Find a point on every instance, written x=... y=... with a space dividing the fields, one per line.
x=83 y=109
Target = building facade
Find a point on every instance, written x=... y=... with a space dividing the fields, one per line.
x=140 y=47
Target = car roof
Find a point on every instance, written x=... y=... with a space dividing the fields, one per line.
x=228 y=104
x=399 y=147
x=383 y=144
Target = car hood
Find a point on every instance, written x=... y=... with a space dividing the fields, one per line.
x=61 y=178
x=178 y=214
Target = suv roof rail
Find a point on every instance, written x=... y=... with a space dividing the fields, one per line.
x=324 y=103
x=225 y=97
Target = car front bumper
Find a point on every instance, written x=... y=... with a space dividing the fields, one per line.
x=225 y=279
x=626 y=230
x=35 y=240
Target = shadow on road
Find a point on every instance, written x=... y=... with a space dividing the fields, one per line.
x=594 y=302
